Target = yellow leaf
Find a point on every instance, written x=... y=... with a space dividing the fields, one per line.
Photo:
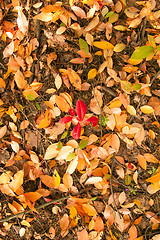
x=147 y=109
x=155 y=180
x=92 y=73
x=131 y=110
x=119 y=47
x=73 y=212
x=2 y=83
x=103 y=45
x=56 y=178
x=135 y=61
x=43 y=123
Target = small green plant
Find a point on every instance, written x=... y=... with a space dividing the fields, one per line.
x=153 y=170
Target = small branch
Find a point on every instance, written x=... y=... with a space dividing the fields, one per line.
x=29 y=211
x=115 y=205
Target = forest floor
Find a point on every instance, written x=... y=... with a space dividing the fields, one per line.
x=79 y=119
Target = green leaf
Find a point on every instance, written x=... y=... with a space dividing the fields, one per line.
x=70 y=157
x=103 y=120
x=109 y=14
x=37 y=106
x=64 y=135
x=83 y=144
x=30 y=97
x=142 y=52
x=60 y=145
x=126 y=86
x=136 y=87
x=128 y=179
x=83 y=46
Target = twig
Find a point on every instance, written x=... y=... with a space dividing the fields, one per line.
x=115 y=205
x=143 y=28
x=32 y=123
x=28 y=211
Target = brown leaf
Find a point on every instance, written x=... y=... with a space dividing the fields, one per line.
x=154 y=102
x=74 y=78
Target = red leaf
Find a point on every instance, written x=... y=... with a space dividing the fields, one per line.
x=72 y=112
x=76 y=131
x=65 y=119
x=93 y=120
x=81 y=109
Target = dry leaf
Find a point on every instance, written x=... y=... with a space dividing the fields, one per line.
x=22 y=21
x=48 y=181
x=46 y=17
x=132 y=232
x=89 y=210
x=142 y=161
x=8 y=51
x=20 y=79
x=17 y=181
x=147 y=109
x=3 y=131
x=103 y=45
x=92 y=24
x=83 y=235
x=62 y=103
x=52 y=151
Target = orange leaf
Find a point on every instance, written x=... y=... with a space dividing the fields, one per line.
x=48 y=181
x=99 y=225
x=64 y=222
x=150 y=158
x=155 y=180
x=67 y=180
x=83 y=235
x=32 y=196
x=73 y=212
x=142 y=161
x=74 y=78
x=62 y=104
x=132 y=232
x=89 y=209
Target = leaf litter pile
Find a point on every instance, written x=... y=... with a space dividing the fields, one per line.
x=79 y=119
